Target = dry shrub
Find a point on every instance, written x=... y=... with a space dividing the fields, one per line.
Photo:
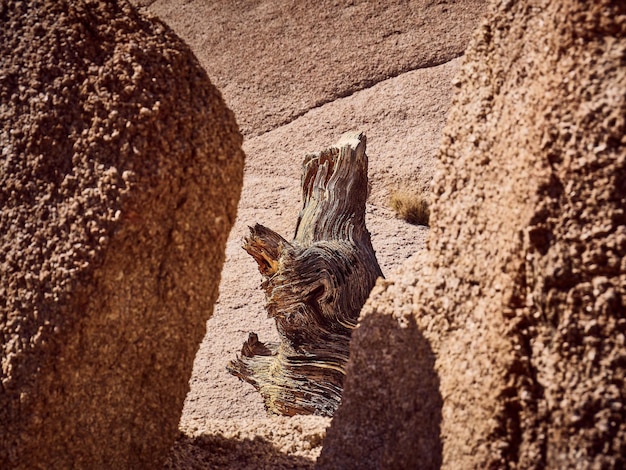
x=410 y=206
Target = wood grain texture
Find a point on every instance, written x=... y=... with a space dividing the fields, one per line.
x=315 y=286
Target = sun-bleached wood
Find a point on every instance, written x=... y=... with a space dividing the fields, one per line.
x=315 y=286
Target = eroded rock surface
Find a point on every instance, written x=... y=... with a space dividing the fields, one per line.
x=521 y=294
x=120 y=173
x=283 y=58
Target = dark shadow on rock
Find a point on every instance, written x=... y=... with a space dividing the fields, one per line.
x=219 y=452
x=390 y=415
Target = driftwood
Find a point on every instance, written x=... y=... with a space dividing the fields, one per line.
x=315 y=286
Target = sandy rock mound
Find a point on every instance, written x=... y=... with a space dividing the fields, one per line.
x=521 y=294
x=277 y=59
x=119 y=179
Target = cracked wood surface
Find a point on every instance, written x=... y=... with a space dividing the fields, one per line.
x=315 y=286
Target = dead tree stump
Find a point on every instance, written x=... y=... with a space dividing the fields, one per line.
x=315 y=286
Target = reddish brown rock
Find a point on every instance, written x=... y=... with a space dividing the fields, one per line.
x=520 y=295
x=119 y=179
x=282 y=58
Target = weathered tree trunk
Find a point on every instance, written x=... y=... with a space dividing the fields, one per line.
x=315 y=286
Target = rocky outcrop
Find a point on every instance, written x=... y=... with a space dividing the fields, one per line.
x=326 y=52
x=119 y=179
x=520 y=295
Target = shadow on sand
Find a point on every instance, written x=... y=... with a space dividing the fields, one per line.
x=218 y=452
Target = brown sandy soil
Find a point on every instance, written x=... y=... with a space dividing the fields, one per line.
x=249 y=444
x=298 y=78
x=271 y=197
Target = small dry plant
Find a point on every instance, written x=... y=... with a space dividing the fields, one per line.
x=411 y=206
